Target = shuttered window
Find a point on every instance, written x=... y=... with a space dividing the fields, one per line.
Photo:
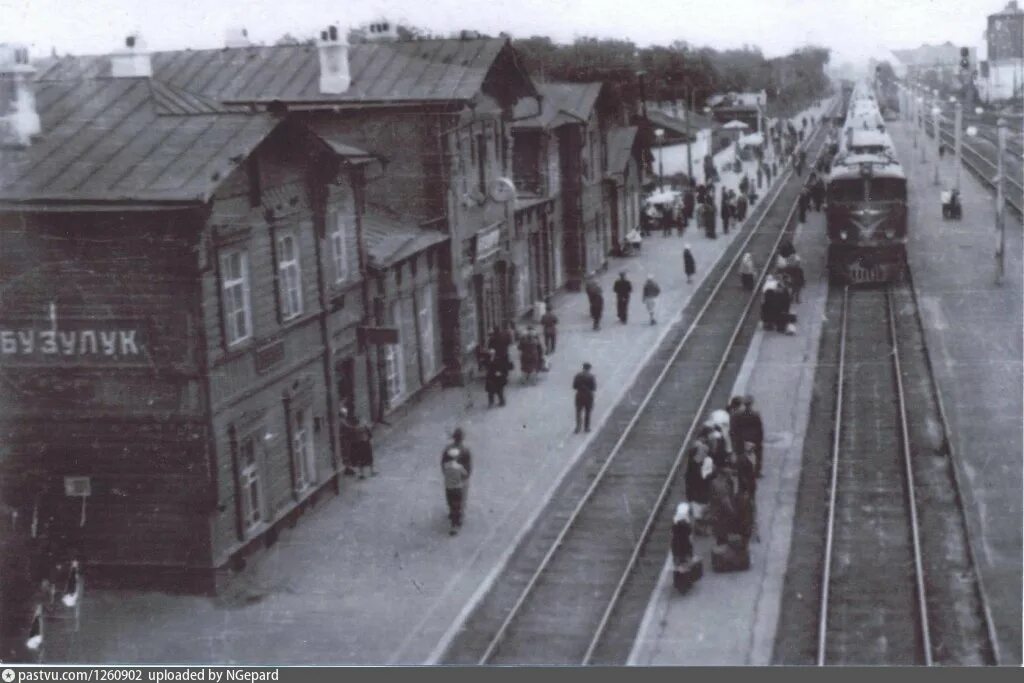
x=339 y=251
x=303 y=463
x=250 y=484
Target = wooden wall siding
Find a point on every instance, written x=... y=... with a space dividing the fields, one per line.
x=148 y=502
x=341 y=202
x=266 y=410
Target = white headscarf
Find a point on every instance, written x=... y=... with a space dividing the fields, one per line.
x=682 y=513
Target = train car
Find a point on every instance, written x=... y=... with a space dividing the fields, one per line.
x=867 y=201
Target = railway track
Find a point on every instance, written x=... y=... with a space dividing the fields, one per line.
x=899 y=582
x=569 y=593
x=983 y=166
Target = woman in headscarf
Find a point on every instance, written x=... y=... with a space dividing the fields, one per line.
x=689 y=265
x=699 y=468
x=682 y=546
x=769 y=304
x=747 y=271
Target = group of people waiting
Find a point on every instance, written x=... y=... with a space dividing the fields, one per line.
x=496 y=359
x=781 y=290
x=722 y=467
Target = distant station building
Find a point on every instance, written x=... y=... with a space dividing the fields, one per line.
x=746 y=107
x=936 y=66
x=1003 y=72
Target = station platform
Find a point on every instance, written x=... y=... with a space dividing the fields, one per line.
x=974 y=329
x=372 y=576
x=730 y=619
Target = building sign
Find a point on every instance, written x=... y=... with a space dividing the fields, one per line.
x=488 y=241
x=39 y=342
x=269 y=354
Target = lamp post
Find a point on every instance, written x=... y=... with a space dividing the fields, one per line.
x=938 y=142
x=1000 y=204
x=659 y=134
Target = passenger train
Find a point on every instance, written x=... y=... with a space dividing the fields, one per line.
x=867 y=198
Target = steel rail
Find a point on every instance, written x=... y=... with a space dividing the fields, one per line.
x=919 y=577
x=1011 y=198
x=972 y=552
x=833 y=486
x=545 y=561
x=922 y=602
x=649 y=525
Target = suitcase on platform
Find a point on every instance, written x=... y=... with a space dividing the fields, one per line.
x=732 y=556
x=686 y=574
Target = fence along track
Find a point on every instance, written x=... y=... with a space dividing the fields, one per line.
x=581 y=560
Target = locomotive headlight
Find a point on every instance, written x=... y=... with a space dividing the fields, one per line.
x=842 y=234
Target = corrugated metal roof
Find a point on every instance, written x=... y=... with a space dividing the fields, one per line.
x=338 y=142
x=112 y=140
x=620 y=147
x=389 y=241
x=421 y=70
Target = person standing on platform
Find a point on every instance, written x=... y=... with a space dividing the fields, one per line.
x=596 y=303
x=360 y=439
x=689 y=265
x=760 y=176
x=499 y=342
x=530 y=354
x=651 y=292
x=585 y=386
x=623 y=289
x=748 y=272
x=741 y=208
x=682 y=544
x=726 y=211
x=456 y=468
x=689 y=203
x=549 y=321
x=496 y=379
x=722 y=504
x=818 y=193
x=697 y=480
x=802 y=203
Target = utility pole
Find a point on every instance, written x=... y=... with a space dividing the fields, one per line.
x=1000 y=204
x=936 y=112
x=958 y=120
x=689 y=140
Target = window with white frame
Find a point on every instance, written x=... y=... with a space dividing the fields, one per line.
x=302 y=450
x=394 y=361
x=339 y=249
x=426 y=320
x=289 y=276
x=249 y=483
x=234 y=275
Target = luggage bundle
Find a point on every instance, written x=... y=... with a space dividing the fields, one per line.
x=733 y=556
x=687 y=573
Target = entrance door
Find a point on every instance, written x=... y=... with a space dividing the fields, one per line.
x=344 y=378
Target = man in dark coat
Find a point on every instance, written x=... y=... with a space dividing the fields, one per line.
x=818 y=193
x=585 y=386
x=722 y=506
x=456 y=468
x=596 y=303
x=623 y=288
x=689 y=203
x=499 y=342
x=496 y=379
x=727 y=212
x=747 y=427
x=802 y=203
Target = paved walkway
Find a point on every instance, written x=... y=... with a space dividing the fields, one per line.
x=973 y=330
x=372 y=577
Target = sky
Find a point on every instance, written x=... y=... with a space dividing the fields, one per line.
x=854 y=29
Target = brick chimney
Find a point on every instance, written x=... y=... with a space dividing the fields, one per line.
x=132 y=61
x=332 y=47
x=19 y=120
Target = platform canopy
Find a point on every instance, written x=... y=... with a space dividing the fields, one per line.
x=736 y=124
x=752 y=140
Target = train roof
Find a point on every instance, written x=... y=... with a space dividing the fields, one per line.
x=876 y=165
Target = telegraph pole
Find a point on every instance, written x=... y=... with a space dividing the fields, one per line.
x=958 y=120
x=1000 y=204
x=936 y=112
x=689 y=141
